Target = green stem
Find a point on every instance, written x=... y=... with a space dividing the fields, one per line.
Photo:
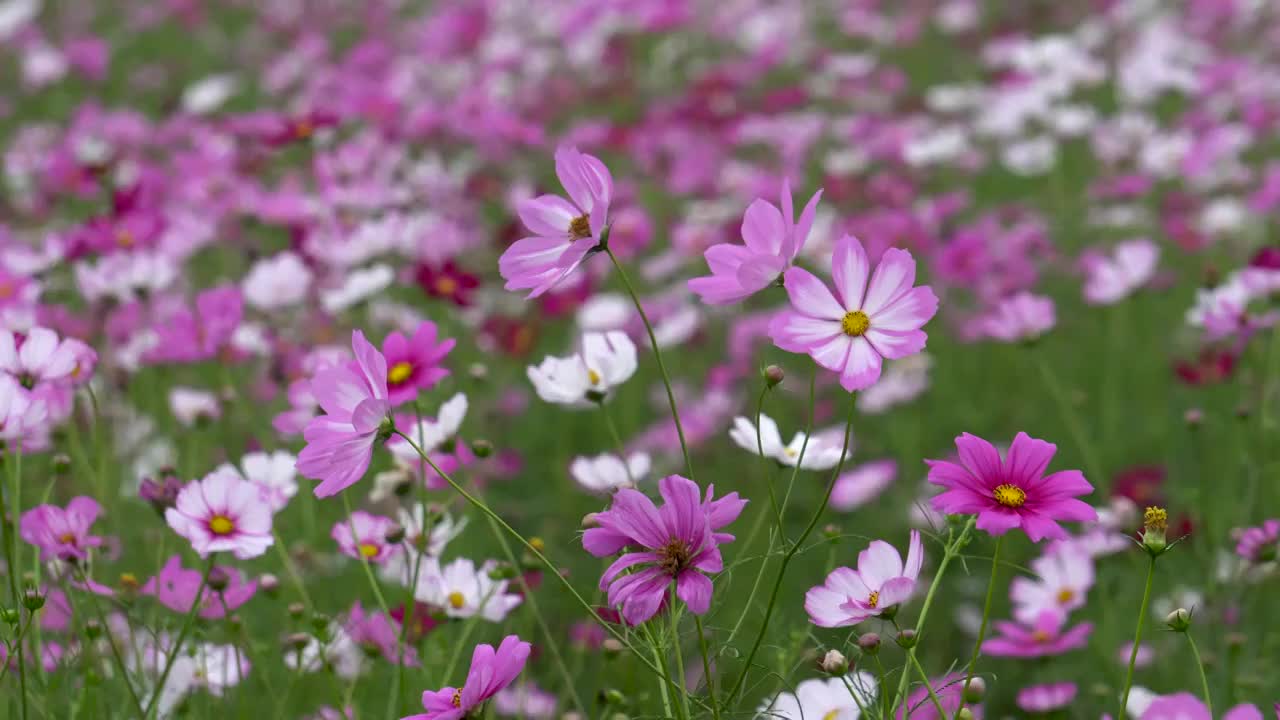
x=12 y=560
x=791 y=552
x=657 y=354
x=679 y=652
x=662 y=683
x=364 y=562
x=617 y=442
x=808 y=431
x=1137 y=637
x=706 y=667
x=924 y=677
x=1204 y=681
x=982 y=629
x=1069 y=418
x=182 y=636
x=291 y=569
x=111 y=641
x=22 y=633
x=885 y=710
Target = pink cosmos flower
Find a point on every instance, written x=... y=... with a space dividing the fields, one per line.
x=773 y=238
x=413 y=364
x=862 y=484
x=36 y=358
x=849 y=335
x=364 y=536
x=679 y=541
x=1046 y=698
x=491 y=671
x=375 y=632
x=1042 y=638
x=303 y=407
x=340 y=443
x=1020 y=318
x=1011 y=494
x=1185 y=706
x=949 y=689
x=1065 y=576
x=191 y=335
x=564 y=231
x=62 y=533
x=879 y=585
x=175 y=587
x=1259 y=544
x=1115 y=277
x=222 y=513
x=526 y=700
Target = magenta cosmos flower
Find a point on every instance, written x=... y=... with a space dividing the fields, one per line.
x=491 y=671
x=1042 y=638
x=679 y=544
x=1013 y=493
x=772 y=240
x=364 y=536
x=62 y=533
x=222 y=513
x=1259 y=544
x=850 y=332
x=340 y=443
x=413 y=364
x=879 y=585
x=1046 y=698
x=564 y=231
x=175 y=587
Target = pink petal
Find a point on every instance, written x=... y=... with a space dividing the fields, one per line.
x=981 y=459
x=849 y=269
x=892 y=279
x=908 y=311
x=862 y=368
x=879 y=563
x=894 y=345
x=794 y=332
x=810 y=296
x=1027 y=459
x=694 y=589
x=763 y=228
x=547 y=215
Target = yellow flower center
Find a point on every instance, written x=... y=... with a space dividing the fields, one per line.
x=831 y=714
x=1065 y=595
x=1010 y=496
x=1040 y=636
x=874 y=599
x=593 y=377
x=457 y=600
x=1155 y=518
x=580 y=227
x=367 y=549
x=303 y=129
x=125 y=239
x=6 y=290
x=855 y=323
x=457 y=698
x=67 y=538
x=446 y=285
x=221 y=525
x=790 y=452
x=399 y=372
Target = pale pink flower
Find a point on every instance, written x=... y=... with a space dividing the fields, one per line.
x=881 y=583
x=222 y=513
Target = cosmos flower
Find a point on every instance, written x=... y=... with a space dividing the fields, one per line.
x=1185 y=706
x=1013 y=493
x=1260 y=544
x=62 y=533
x=190 y=406
x=340 y=443
x=413 y=364
x=175 y=588
x=462 y=590
x=607 y=472
x=1115 y=277
x=1065 y=576
x=824 y=698
x=878 y=586
x=821 y=453
x=564 y=231
x=274 y=473
x=1045 y=636
x=447 y=282
x=1046 y=698
x=277 y=282
x=36 y=358
x=772 y=239
x=607 y=360
x=491 y=671
x=1020 y=318
x=526 y=700
x=364 y=536
x=861 y=485
x=850 y=334
x=200 y=333
x=679 y=545
x=378 y=634
x=222 y=513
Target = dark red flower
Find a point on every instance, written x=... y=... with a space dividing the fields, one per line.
x=1211 y=366
x=447 y=282
x=1142 y=484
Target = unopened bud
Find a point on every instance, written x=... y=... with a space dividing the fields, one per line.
x=129 y=587
x=1178 y=620
x=296 y=641
x=10 y=615
x=234 y=623
x=295 y=610
x=773 y=376
x=92 y=629
x=319 y=623
x=1236 y=640
x=503 y=572
x=834 y=663
x=61 y=464
x=869 y=643
x=537 y=543
x=269 y=584
x=613 y=697
x=395 y=535
x=831 y=531
x=964 y=714
x=478 y=371
x=1193 y=417
x=1243 y=411
x=32 y=600
x=590 y=520
x=481 y=448
x=611 y=646
x=219 y=579
x=1155 y=522
x=906 y=639
x=976 y=690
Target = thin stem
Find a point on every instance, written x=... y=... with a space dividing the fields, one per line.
x=885 y=710
x=111 y=641
x=791 y=552
x=982 y=629
x=666 y=678
x=924 y=677
x=364 y=561
x=679 y=653
x=808 y=431
x=657 y=354
x=11 y=559
x=706 y=667
x=1137 y=637
x=952 y=549
x=1204 y=680
x=182 y=636
x=1069 y=418
x=617 y=442
x=290 y=568
x=768 y=468
x=22 y=633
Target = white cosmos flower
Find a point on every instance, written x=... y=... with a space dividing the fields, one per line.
x=824 y=699
x=189 y=405
x=278 y=281
x=274 y=473
x=399 y=567
x=462 y=590
x=820 y=453
x=606 y=361
x=606 y=473
x=340 y=652
x=357 y=286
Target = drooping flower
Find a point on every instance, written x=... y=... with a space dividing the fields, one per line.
x=878 y=586
x=175 y=587
x=1020 y=318
x=822 y=452
x=608 y=472
x=1065 y=576
x=1045 y=636
x=462 y=590
x=1046 y=698
x=364 y=536
x=1260 y=544
x=1111 y=279
x=679 y=545
x=1013 y=493
x=861 y=485
x=413 y=364
x=358 y=417
x=772 y=239
x=222 y=513
x=62 y=533
x=491 y=671
x=564 y=231
x=824 y=698
x=607 y=360
x=850 y=334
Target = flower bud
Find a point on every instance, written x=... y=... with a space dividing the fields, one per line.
x=869 y=643
x=1243 y=412
x=1155 y=521
x=481 y=448
x=10 y=615
x=234 y=623
x=831 y=531
x=611 y=646
x=1193 y=417
x=319 y=623
x=503 y=571
x=773 y=376
x=395 y=534
x=296 y=641
x=295 y=610
x=219 y=579
x=834 y=663
x=61 y=464
x=964 y=714
x=613 y=697
x=537 y=543
x=478 y=372
x=1236 y=640
x=976 y=691
x=906 y=639
x=92 y=629
x=129 y=587
x=32 y=600
x=269 y=584
x=1178 y=620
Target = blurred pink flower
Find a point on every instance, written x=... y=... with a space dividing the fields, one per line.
x=1020 y=318
x=1042 y=638
x=879 y=585
x=364 y=536
x=862 y=484
x=1046 y=698
x=1185 y=706
x=175 y=587
x=491 y=671
x=193 y=335
x=62 y=533
x=1065 y=575
x=1260 y=544
x=377 y=633
x=1111 y=278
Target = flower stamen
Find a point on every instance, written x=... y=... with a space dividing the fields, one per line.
x=221 y=525
x=855 y=324
x=399 y=372
x=1010 y=496
x=580 y=228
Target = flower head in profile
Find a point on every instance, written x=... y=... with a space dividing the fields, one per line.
x=357 y=417
x=1020 y=318
x=1045 y=636
x=413 y=364
x=607 y=360
x=1046 y=698
x=62 y=533
x=564 y=231
x=364 y=536
x=1011 y=493
x=175 y=587
x=491 y=671
x=850 y=332
x=1113 y=278
x=678 y=542
x=772 y=238
x=607 y=472
x=877 y=587
x=222 y=513
x=821 y=452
